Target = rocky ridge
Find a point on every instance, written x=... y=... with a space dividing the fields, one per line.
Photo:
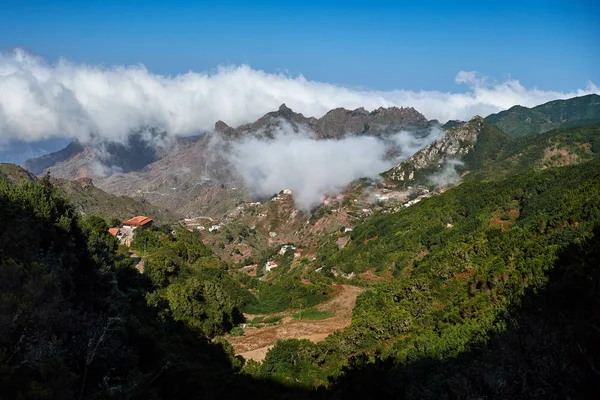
x=454 y=144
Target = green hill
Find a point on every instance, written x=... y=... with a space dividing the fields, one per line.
x=462 y=263
x=495 y=155
x=78 y=321
x=536 y=152
x=15 y=174
x=520 y=121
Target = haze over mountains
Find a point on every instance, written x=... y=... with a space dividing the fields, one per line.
x=285 y=149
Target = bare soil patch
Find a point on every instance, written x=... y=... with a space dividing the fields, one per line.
x=255 y=342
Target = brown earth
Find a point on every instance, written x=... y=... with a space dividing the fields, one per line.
x=256 y=342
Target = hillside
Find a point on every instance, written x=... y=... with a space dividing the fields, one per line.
x=454 y=288
x=15 y=174
x=521 y=121
x=462 y=147
x=76 y=323
x=464 y=262
x=89 y=200
x=103 y=158
x=488 y=153
x=555 y=148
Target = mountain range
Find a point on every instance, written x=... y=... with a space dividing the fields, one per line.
x=193 y=176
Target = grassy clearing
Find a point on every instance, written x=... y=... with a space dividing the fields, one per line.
x=312 y=314
x=272 y=319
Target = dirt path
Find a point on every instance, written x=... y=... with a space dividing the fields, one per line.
x=255 y=342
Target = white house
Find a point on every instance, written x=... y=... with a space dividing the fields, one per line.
x=270 y=265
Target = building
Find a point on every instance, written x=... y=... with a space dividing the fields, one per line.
x=270 y=265
x=285 y=248
x=115 y=232
x=298 y=253
x=138 y=222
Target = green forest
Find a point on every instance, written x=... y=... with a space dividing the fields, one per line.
x=494 y=292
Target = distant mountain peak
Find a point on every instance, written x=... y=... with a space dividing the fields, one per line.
x=284 y=109
x=220 y=126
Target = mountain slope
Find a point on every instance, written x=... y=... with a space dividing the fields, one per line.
x=521 y=121
x=536 y=152
x=38 y=165
x=15 y=174
x=103 y=158
x=88 y=200
x=458 y=265
x=478 y=150
x=470 y=145
x=199 y=180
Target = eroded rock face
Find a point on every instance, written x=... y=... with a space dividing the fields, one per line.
x=193 y=174
x=339 y=122
x=455 y=143
x=336 y=124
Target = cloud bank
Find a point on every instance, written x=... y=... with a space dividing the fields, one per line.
x=314 y=168
x=40 y=100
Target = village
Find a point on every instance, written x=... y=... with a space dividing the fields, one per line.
x=256 y=234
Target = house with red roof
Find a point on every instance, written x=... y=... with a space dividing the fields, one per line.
x=138 y=222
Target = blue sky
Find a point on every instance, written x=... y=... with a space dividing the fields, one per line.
x=380 y=45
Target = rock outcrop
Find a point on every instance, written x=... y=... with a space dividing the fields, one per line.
x=453 y=145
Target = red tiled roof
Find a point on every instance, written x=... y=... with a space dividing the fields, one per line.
x=113 y=231
x=140 y=220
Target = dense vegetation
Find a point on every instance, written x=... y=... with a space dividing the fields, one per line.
x=519 y=121
x=491 y=290
x=466 y=261
x=75 y=321
x=89 y=200
x=560 y=147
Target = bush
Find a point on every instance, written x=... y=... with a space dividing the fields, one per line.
x=237 y=331
x=272 y=319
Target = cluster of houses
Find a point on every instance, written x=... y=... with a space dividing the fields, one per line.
x=125 y=232
x=270 y=264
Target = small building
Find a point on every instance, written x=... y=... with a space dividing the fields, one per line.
x=270 y=265
x=116 y=232
x=214 y=228
x=138 y=222
x=298 y=253
x=285 y=248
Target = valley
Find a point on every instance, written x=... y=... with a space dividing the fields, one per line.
x=433 y=258
x=256 y=341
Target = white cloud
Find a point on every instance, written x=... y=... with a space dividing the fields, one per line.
x=448 y=175
x=39 y=100
x=313 y=168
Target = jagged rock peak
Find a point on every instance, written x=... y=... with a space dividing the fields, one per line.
x=221 y=126
x=284 y=108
